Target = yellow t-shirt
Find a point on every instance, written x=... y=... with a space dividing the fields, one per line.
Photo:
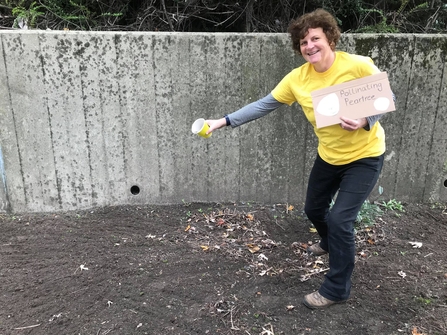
x=335 y=145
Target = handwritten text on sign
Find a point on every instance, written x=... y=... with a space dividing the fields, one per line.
x=354 y=99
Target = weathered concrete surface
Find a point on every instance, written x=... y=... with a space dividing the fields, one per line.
x=86 y=116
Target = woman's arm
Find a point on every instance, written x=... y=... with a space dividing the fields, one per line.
x=248 y=113
x=254 y=111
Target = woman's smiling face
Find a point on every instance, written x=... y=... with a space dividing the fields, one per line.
x=316 y=49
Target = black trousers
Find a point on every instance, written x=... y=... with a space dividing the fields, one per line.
x=353 y=182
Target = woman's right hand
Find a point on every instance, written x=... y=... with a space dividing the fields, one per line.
x=216 y=124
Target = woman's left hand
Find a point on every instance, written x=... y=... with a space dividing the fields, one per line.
x=351 y=125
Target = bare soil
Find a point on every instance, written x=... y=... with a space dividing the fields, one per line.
x=215 y=269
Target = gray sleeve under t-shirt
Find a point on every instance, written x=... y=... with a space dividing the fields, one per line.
x=254 y=110
x=265 y=105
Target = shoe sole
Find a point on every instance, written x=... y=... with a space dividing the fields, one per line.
x=308 y=305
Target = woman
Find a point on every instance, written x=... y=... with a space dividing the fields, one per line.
x=350 y=154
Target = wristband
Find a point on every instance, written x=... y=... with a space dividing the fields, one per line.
x=227 y=119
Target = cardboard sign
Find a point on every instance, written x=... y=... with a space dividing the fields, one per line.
x=354 y=99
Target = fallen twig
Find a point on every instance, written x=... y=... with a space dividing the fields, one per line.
x=276 y=221
x=309 y=274
x=231 y=319
x=266 y=331
x=27 y=327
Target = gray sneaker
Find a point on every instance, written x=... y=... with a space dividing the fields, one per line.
x=316 y=250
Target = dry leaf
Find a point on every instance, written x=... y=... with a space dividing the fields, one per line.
x=268 y=243
x=220 y=222
x=290 y=208
x=416 y=244
x=313 y=230
x=250 y=217
x=290 y=307
x=188 y=228
x=304 y=246
x=253 y=248
x=204 y=247
x=317 y=264
x=416 y=332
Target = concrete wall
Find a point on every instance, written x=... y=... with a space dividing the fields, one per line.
x=84 y=117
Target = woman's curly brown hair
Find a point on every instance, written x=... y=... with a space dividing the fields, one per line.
x=319 y=18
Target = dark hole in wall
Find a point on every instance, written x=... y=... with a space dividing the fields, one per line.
x=135 y=190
